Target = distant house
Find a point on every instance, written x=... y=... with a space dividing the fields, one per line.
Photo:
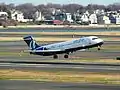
x=106 y=20
x=112 y=19
x=87 y=13
x=118 y=19
x=100 y=19
x=48 y=17
x=93 y=19
x=17 y=15
x=99 y=12
x=60 y=16
x=84 y=19
x=3 y=15
x=38 y=16
x=69 y=17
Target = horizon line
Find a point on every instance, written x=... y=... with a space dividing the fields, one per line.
x=57 y=3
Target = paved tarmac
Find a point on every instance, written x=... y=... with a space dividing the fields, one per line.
x=35 y=85
x=59 y=67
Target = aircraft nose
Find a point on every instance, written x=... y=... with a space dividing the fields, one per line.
x=101 y=41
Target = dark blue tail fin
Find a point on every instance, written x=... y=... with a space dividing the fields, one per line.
x=31 y=42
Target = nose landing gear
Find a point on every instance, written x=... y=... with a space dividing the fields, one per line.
x=99 y=48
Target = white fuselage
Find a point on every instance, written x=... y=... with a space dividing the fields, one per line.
x=82 y=42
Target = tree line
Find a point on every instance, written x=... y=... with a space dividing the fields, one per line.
x=29 y=9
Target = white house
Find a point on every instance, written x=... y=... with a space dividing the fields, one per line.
x=84 y=18
x=118 y=19
x=17 y=15
x=106 y=20
x=38 y=16
x=93 y=18
x=3 y=15
x=87 y=13
x=69 y=17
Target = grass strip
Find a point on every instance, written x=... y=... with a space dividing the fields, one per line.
x=61 y=76
x=105 y=33
x=38 y=39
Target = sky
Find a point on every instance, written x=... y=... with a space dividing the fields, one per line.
x=82 y=2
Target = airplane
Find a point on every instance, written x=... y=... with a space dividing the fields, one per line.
x=65 y=47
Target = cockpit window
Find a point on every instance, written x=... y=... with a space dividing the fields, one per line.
x=94 y=38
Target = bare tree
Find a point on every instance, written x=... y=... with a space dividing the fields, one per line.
x=5 y=8
x=28 y=9
x=114 y=7
x=57 y=6
x=71 y=8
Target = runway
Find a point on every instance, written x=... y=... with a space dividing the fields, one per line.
x=80 y=67
x=34 y=85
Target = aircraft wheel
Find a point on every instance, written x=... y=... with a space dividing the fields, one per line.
x=98 y=48
x=31 y=53
x=55 y=56
x=66 y=56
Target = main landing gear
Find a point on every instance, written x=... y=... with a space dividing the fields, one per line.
x=66 y=56
x=56 y=56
